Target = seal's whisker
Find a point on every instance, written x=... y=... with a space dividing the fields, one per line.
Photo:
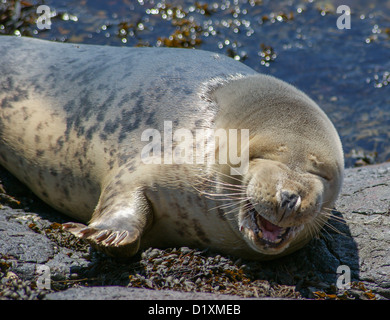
x=318 y=226
x=215 y=179
x=310 y=227
x=245 y=208
x=315 y=227
x=336 y=218
x=226 y=175
x=232 y=188
x=224 y=196
x=229 y=205
x=322 y=231
x=335 y=229
x=223 y=185
x=226 y=193
x=224 y=199
x=234 y=203
x=316 y=230
x=331 y=216
x=328 y=209
x=232 y=210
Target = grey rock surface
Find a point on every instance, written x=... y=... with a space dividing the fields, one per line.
x=365 y=204
x=28 y=238
x=122 y=293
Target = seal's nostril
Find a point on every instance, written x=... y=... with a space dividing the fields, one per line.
x=288 y=199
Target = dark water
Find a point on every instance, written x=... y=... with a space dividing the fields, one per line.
x=346 y=71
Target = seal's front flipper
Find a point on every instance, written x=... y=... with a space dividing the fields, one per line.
x=124 y=243
x=117 y=224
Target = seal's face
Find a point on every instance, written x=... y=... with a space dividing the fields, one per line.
x=282 y=207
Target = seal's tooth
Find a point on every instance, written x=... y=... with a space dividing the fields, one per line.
x=277 y=240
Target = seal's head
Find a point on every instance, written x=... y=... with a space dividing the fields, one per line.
x=295 y=168
x=283 y=206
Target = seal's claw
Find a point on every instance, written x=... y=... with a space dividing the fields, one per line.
x=121 y=237
x=77 y=229
x=111 y=239
x=119 y=243
x=69 y=225
x=102 y=235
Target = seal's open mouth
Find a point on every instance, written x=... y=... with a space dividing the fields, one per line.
x=266 y=233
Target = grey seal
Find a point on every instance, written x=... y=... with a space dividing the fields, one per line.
x=72 y=126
